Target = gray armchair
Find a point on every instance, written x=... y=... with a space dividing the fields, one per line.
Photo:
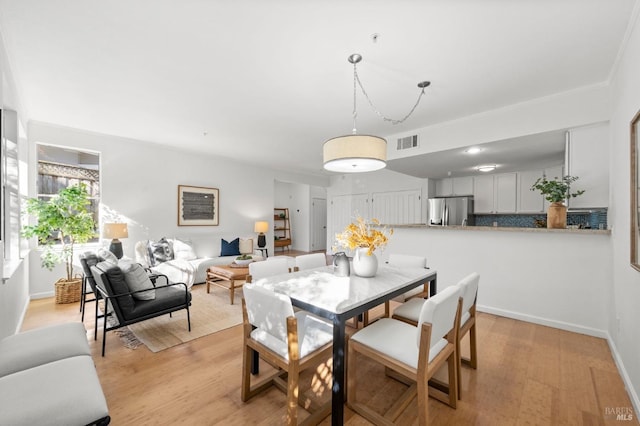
x=110 y=283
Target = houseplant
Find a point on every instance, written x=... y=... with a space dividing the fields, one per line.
x=364 y=240
x=556 y=191
x=63 y=219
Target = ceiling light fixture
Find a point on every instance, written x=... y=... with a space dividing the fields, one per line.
x=487 y=168
x=361 y=153
x=473 y=150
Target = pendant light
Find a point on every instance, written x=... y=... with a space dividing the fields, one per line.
x=360 y=153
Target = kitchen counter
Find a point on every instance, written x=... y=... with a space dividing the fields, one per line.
x=505 y=229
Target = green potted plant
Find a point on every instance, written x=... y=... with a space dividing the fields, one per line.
x=64 y=218
x=556 y=191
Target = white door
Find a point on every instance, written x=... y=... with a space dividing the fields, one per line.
x=318 y=224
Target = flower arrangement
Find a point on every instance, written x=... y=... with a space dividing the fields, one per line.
x=362 y=234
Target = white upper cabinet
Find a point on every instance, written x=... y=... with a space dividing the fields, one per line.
x=505 y=193
x=457 y=186
x=587 y=156
x=495 y=193
x=529 y=201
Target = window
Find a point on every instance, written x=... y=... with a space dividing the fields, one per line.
x=59 y=168
x=10 y=196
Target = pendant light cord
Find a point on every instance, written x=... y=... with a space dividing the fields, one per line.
x=356 y=78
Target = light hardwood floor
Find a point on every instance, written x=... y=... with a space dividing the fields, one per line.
x=527 y=374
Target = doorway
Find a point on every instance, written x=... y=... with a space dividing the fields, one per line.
x=318 y=224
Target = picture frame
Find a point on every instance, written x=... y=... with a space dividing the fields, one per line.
x=198 y=206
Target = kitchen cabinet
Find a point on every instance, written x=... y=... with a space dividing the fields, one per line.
x=457 y=186
x=529 y=201
x=587 y=156
x=495 y=193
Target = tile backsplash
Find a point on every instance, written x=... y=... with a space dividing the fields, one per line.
x=595 y=219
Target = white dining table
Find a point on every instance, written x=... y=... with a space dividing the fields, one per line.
x=338 y=299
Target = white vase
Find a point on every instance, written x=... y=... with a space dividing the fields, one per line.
x=365 y=265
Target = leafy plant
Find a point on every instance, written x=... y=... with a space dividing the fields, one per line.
x=244 y=257
x=556 y=190
x=63 y=218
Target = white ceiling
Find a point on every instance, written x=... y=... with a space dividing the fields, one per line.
x=269 y=81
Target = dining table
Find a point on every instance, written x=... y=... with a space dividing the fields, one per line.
x=338 y=299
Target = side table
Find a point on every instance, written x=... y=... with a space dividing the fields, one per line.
x=264 y=251
x=228 y=277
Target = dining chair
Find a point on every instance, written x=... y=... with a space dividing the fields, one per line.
x=267 y=268
x=411 y=355
x=310 y=261
x=291 y=342
x=409 y=312
x=403 y=261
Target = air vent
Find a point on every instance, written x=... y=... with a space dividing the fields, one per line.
x=407 y=142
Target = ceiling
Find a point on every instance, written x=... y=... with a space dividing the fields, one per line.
x=269 y=82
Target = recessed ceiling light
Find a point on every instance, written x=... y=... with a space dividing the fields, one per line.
x=473 y=150
x=486 y=168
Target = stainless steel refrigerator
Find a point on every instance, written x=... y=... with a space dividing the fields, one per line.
x=451 y=211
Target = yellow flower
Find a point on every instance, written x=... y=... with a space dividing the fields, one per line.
x=361 y=234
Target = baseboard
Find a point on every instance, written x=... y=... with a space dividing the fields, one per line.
x=43 y=295
x=633 y=395
x=545 y=321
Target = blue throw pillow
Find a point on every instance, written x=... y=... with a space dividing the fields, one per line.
x=230 y=249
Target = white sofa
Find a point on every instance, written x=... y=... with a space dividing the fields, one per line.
x=47 y=377
x=192 y=257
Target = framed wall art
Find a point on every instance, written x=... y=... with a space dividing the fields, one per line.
x=198 y=206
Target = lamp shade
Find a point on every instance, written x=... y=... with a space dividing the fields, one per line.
x=355 y=153
x=115 y=230
x=261 y=227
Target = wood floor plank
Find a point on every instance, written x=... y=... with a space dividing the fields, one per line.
x=527 y=374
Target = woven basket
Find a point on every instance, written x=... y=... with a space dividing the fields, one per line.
x=68 y=291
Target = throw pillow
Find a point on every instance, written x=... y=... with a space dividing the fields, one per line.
x=230 y=248
x=183 y=250
x=137 y=279
x=160 y=251
x=246 y=246
x=107 y=256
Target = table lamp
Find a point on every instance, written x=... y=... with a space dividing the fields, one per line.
x=115 y=231
x=261 y=228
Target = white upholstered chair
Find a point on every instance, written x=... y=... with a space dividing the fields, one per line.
x=411 y=355
x=409 y=312
x=310 y=261
x=267 y=268
x=289 y=341
x=404 y=261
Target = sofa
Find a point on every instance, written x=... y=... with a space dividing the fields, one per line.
x=47 y=377
x=187 y=259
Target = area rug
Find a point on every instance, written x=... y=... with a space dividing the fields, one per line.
x=210 y=312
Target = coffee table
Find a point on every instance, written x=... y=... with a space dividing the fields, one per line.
x=229 y=277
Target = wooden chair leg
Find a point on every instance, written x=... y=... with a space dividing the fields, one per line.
x=459 y=368
x=292 y=394
x=453 y=379
x=387 y=309
x=473 y=348
x=246 y=373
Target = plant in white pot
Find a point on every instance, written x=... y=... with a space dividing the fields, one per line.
x=64 y=219
x=556 y=191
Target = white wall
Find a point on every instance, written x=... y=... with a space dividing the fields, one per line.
x=547 y=278
x=295 y=197
x=139 y=185
x=625 y=291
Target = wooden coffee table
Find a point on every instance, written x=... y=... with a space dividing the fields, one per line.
x=229 y=277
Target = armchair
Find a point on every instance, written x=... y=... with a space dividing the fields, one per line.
x=110 y=283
